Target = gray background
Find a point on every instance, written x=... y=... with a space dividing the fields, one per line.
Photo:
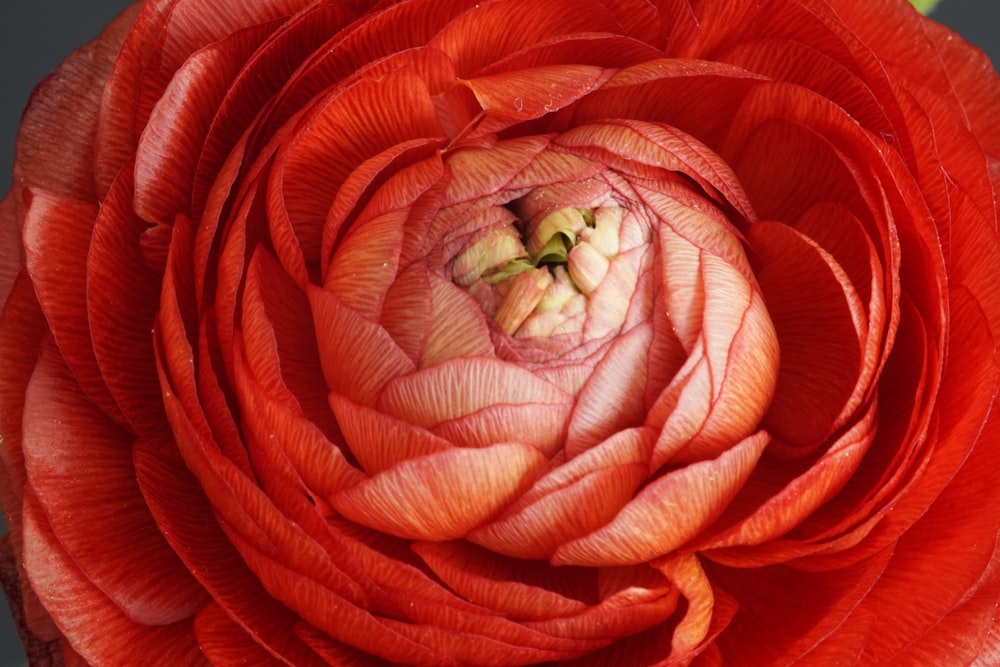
x=36 y=35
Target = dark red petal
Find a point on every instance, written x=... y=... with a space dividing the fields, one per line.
x=93 y=624
x=796 y=610
x=57 y=236
x=55 y=148
x=821 y=327
x=22 y=328
x=171 y=141
x=11 y=249
x=122 y=300
x=73 y=452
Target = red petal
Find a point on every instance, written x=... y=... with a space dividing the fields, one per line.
x=172 y=138
x=517 y=588
x=365 y=262
x=821 y=328
x=277 y=327
x=442 y=496
x=349 y=127
x=358 y=356
x=122 y=300
x=526 y=94
x=796 y=610
x=776 y=510
x=22 y=328
x=283 y=431
x=185 y=517
x=472 y=43
x=226 y=644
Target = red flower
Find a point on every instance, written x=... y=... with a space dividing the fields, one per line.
x=441 y=332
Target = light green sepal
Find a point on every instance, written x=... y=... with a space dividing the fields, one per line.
x=925 y=7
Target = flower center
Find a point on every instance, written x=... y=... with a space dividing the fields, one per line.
x=546 y=273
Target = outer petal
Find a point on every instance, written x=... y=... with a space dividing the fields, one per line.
x=95 y=626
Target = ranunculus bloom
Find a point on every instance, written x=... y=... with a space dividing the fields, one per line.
x=506 y=332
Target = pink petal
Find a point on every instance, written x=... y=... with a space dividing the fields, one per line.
x=407 y=311
x=458 y=325
x=541 y=425
x=602 y=478
x=613 y=398
x=442 y=496
x=379 y=441
x=669 y=511
x=459 y=387
x=708 y=611
x=624 y=143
